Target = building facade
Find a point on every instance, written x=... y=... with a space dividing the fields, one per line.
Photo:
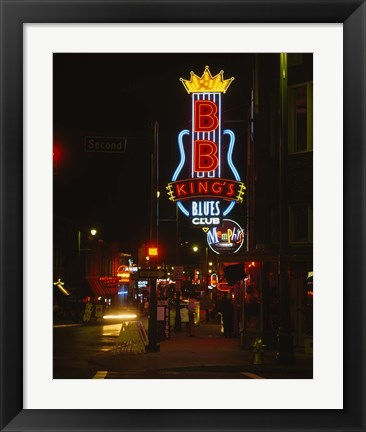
x=279 y=181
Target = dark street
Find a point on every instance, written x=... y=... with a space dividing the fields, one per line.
x=89 y=352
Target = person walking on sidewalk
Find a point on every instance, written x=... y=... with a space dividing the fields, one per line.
x=227 y=316
x=191 y=312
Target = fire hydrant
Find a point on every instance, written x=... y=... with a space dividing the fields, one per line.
x=258 y=349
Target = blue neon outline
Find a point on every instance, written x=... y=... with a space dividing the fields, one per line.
x=228 y=210
x=231 y=165
x=181 y=163
x=182 y=154
x=229 y=157
x=182 y=209
x=230 y=152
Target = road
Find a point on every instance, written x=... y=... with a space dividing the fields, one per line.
x=75 y=345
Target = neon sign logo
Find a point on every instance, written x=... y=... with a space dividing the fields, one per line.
x=227 y=238
x=198 y=185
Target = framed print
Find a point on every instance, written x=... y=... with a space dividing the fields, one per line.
x=51 y=51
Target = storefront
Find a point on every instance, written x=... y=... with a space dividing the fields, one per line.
x=257 y=300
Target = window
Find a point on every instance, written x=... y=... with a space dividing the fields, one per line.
x=301 y=118
x=275 y=123
x=301 y=224
x=274 y=235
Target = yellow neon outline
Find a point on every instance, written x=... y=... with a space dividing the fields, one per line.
x=238 y=198
x=242 y=188
x=171 y=192
x=207 y=83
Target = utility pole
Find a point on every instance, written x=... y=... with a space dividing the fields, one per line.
x=285 y=350
x=177 y=236
x=152 y=329
x=177 y=321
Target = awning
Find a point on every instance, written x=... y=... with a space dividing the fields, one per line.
x=101 y=289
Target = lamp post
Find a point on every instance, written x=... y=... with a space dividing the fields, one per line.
x=210 y=270
x=195 y=250
x=204 y=265
x=285 y=353
x=154 y=239
x=177 y=321
x=93 y=232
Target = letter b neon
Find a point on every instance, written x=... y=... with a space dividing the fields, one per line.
x=205 y=116
x=205 y=156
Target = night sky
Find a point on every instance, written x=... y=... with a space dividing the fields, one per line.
x=121 y=95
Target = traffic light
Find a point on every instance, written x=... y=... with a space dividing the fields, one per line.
x=57 y=153
x=56 y=156
x=152 y=252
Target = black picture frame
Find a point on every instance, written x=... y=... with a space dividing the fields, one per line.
x=16 y=13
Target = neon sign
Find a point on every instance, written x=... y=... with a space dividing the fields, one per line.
x=224 y=286
x=197 y=186
x=227 y=238
x=123 y=274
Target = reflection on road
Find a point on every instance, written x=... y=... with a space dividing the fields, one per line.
x=111 y=330
x=73 y=346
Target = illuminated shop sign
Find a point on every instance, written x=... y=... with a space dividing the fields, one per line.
x=227 y=238
x=206 y=184
x=109 y=281
x=142 y=284
x=224 y=286
x=214 y=280
x=123 y=273
x=124 y=277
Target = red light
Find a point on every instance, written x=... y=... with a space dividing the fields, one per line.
x=57 y=153
x=224 y=286
x=153 y=251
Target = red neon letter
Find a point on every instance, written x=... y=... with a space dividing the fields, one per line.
x=180 y=190
x=231 y=190
x=205 y=118
x=216 y=187
x=205 y=156
x=202 y=187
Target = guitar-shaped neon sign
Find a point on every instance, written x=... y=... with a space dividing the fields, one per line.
x=206 y=184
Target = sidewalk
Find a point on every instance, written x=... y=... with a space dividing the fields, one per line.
x=208 y=351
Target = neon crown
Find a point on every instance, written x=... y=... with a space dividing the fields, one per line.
x=207 y=83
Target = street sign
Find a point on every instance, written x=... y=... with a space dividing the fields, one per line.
x=152 y=274
x=178 y=272
x=105 y=144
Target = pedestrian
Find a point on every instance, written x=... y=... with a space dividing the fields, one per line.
x=226 y=310
x=205 y=305
x=191 y=313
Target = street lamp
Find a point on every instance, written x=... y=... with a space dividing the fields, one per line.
x=93 y=232
x=205 y=268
